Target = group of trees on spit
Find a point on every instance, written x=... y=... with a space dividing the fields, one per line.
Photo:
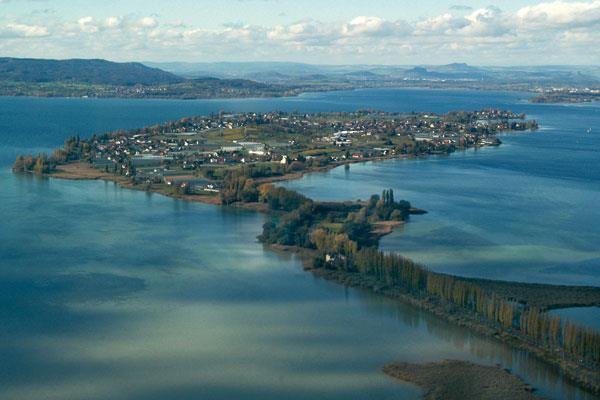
x=537 y=326
x=352 y=248
x=74 y=149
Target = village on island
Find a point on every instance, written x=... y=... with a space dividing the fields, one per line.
x=192 y=155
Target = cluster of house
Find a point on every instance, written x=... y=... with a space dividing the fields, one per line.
x=478 y=129
x=571 y=90
x=166 y=153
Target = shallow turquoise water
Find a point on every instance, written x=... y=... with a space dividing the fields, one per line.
x=111 y=293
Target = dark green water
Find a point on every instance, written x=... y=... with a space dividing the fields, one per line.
x=110 y=293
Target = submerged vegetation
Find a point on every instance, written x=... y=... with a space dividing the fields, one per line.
x=459 y=380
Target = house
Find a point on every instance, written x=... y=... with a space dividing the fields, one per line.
x=148 y=160
x=254 y=148
x=231 y=148
x=423 y=138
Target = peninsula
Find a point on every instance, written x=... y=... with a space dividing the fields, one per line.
x=234 y=159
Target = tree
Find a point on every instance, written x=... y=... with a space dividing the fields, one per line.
x=19 y=165
x=40 y=166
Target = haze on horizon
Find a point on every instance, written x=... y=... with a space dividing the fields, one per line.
x=518 y=32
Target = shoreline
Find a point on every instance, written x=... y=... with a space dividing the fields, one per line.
x=81 y=171
x=534 y=94
x=292 y=92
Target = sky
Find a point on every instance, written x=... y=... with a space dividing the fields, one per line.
x=400 y=32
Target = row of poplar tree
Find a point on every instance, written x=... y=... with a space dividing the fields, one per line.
x=541 y=328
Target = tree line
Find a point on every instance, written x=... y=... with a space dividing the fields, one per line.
x=539 y=327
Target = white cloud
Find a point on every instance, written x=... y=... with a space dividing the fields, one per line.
x=488 y=21
x=148 y=22
x=15 y=30
x=485 y=35
x=440 y=24
x=367 y=26
x=113 y=22
x=87 y=25
x=560 y=14
x=570 y=37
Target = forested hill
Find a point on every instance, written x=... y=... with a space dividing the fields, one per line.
x=83 y=71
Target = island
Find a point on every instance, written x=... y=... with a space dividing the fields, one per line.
x=235 y=159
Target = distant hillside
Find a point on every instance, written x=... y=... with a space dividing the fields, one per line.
x=245 y=70
x=298 y=74
x=450 y=71
x=83 y=71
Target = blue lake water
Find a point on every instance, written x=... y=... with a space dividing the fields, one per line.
x=111 y=293
x=586 y=316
